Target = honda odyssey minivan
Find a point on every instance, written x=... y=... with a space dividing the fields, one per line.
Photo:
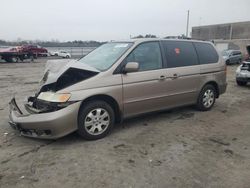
x=120 y=80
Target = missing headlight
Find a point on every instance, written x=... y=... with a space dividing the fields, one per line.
x=36 y=106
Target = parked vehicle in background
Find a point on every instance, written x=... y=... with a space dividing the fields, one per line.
x=232 y=56
x=62 y=54
x=12 y=54
x=243 y=71
x=243 y=74
x=247 y=56
x=35 y=49
x=120 y=80
x=52 y=53
x=19 y=53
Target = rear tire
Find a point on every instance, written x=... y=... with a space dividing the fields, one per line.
x=227 y=62
x=206 y=98
x=95 y=120
x=241 y=83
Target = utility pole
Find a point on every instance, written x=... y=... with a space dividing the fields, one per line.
x=231 y=31
x=187 y=24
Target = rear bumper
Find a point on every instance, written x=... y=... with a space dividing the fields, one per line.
x=51 y=125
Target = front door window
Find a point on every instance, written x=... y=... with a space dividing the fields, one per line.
x=148 y=55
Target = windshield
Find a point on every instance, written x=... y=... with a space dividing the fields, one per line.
x=106 y=55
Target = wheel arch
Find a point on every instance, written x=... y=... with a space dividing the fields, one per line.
x=216 y=86
x=108 y=99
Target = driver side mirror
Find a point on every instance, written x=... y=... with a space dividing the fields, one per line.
x=131 y=67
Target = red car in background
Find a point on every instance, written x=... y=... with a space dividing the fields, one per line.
x=34 y=49
x=14 y=54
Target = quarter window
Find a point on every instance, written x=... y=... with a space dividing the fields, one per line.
x=180 y=54
x=206 y=53
x=148 y=55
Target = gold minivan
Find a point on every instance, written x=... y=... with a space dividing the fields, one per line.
x=120 y=80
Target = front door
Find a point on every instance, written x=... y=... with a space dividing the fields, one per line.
x=143 y=91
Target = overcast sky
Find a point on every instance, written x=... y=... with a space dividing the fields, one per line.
x=112 y=19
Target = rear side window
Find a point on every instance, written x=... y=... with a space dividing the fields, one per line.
x=206 y=53
x=180 y=53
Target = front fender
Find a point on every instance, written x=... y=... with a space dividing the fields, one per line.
x=112 y=91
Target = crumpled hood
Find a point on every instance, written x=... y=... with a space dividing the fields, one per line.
x=55 y=68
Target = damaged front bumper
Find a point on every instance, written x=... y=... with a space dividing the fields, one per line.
x=243 y=76
x=243 y=72
x=47 y=125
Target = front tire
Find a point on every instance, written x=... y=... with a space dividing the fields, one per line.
x=95 y=120
x=206 y=98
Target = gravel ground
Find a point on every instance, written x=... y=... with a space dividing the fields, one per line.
x=177 y=148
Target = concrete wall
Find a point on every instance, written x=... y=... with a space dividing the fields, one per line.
x=236 y=44
x=240 y=30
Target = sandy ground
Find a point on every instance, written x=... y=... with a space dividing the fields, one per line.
x=178 y=148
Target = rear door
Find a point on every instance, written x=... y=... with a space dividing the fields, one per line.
x=183 y=73
x=144 y=91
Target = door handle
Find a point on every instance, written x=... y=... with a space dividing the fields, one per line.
x=162 y=77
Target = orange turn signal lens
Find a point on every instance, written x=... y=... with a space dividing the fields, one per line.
x=64 y=97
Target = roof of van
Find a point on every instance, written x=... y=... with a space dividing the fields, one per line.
x=139 y=40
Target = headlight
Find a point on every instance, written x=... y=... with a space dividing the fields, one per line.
x=54 y=97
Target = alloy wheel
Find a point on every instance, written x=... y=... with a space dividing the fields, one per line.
x=97 y=121
x=208 y=98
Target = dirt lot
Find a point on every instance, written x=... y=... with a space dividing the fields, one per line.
x=178 y=148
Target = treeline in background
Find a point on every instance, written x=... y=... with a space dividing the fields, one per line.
x=75 y=43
